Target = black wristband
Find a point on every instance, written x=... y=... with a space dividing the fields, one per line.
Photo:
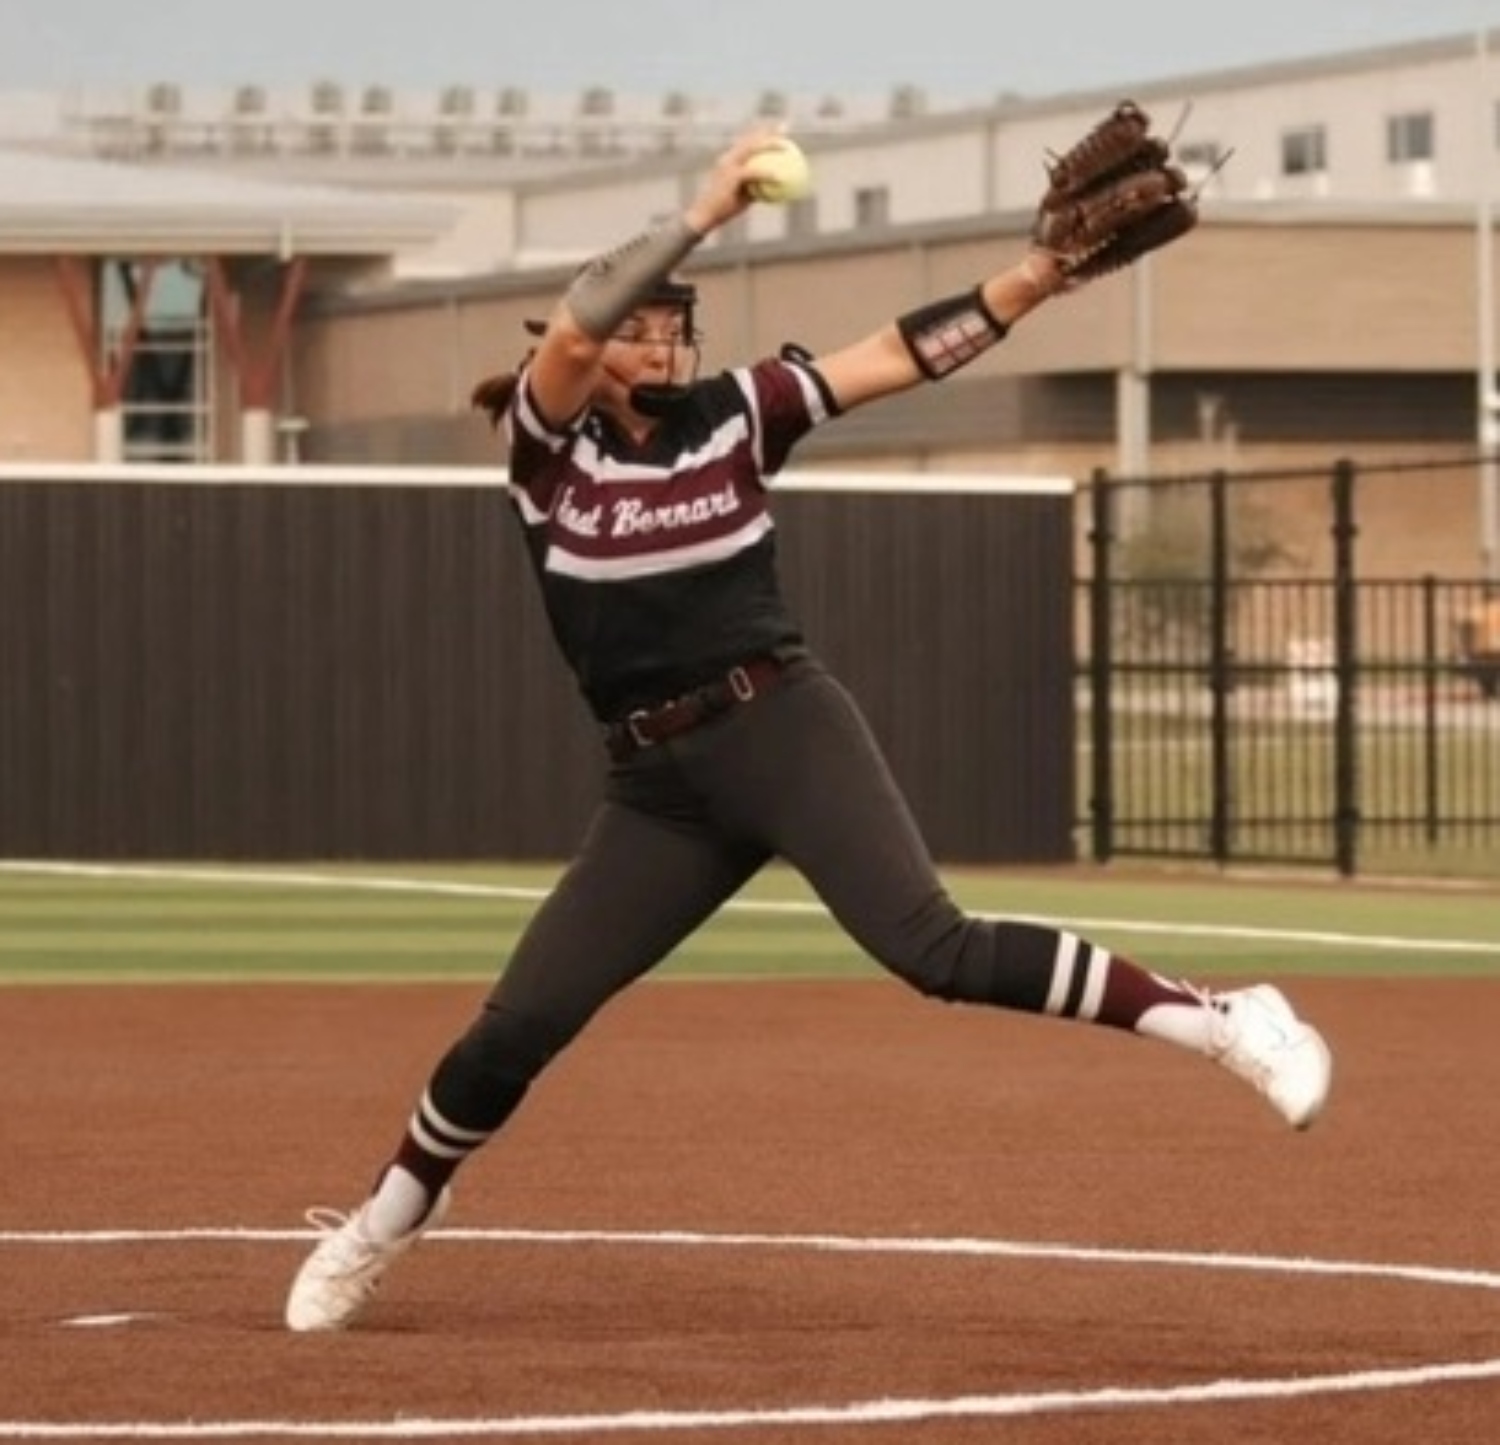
x=945 y=335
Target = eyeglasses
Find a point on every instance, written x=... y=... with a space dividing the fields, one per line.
x=629 y=335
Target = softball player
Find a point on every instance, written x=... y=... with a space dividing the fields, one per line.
x=642 y=494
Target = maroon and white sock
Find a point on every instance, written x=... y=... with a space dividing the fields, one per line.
x=430 y=1151
x=1095 y=986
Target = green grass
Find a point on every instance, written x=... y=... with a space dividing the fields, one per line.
x=1427 y=803
x=422 y=922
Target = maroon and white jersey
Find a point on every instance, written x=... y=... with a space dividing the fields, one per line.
x=658 y=562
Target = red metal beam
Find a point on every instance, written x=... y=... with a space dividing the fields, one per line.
x=257 y=374
x=106 y=373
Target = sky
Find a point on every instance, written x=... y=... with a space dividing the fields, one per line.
x=956 y=50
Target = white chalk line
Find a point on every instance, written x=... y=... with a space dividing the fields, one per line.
x=959 y=1247
x=441 y=888
x=863 y=1412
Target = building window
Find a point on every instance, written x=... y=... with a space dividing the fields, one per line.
x=872 y=206
x=1409 y=137
x=1201 y=161
x=1304 y=152
x=802 y=217
x=167 y=403
x=1200 y=155
x=735 y=232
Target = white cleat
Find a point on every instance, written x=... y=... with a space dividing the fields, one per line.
x=339 y=1278
x=1259 y=1038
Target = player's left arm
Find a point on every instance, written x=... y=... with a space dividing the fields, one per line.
x=934 y=340
x=1111 y=198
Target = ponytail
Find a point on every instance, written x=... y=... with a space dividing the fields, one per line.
x=493 y=395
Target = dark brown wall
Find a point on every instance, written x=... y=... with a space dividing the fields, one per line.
x=265 y=670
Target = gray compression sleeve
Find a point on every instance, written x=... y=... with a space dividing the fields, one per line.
x=611 y=286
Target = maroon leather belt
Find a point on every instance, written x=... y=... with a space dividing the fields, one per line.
x=648 y=726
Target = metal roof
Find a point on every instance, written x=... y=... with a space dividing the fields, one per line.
x=51 y=204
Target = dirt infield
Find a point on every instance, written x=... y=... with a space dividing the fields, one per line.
x=819 y=1212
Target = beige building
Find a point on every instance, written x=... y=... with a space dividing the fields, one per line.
x=184 y=279
x=147 y=314
x=1275 y=337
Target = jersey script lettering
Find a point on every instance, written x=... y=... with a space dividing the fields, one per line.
x=632 y=517
x=636 y=517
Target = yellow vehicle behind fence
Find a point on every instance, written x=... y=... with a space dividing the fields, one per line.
x=1476 y=646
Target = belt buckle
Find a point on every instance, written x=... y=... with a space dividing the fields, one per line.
x=741 y=684
x=633 y=725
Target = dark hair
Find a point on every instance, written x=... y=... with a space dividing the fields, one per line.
x=492 y=395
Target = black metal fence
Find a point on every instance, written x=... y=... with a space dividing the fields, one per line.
x=1274 y=667
x=1253 y=695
